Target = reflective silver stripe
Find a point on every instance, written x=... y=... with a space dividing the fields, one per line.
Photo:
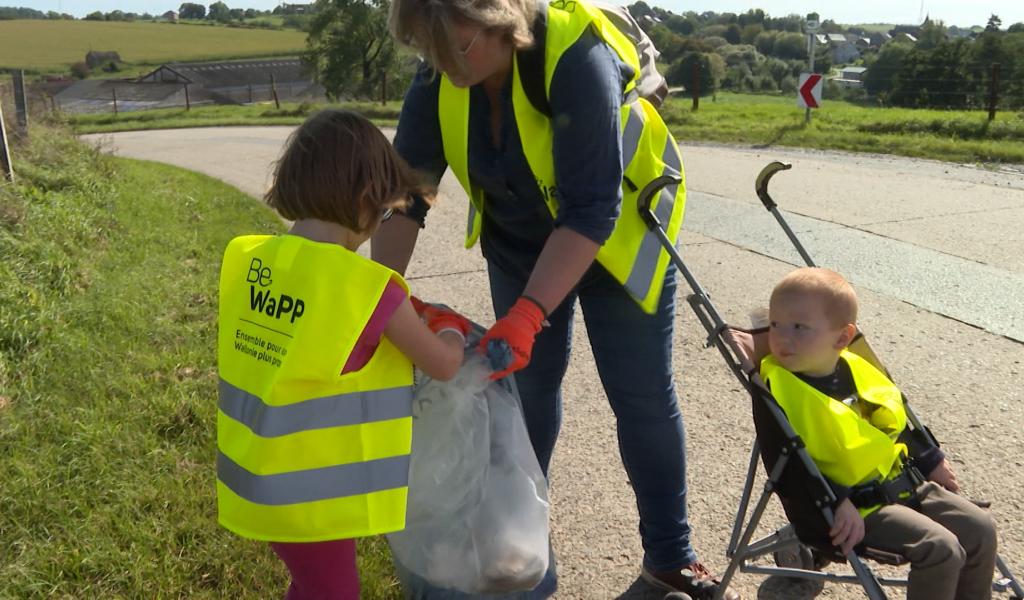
x=644 y=266
x=314 y=484
x=472 y=216
x=318 y=413
x=631 y=134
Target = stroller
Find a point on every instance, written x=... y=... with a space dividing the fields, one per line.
x=802 y=548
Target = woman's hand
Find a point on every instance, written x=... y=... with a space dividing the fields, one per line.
x=848 y=527
x=508 y=344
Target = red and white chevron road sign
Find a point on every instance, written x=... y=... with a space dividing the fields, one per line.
x=809 y=92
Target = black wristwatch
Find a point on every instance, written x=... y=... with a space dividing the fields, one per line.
x=417 y=210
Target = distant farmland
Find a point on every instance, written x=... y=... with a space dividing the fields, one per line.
x=48 y=46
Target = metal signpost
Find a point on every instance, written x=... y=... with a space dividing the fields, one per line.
x=812 y=29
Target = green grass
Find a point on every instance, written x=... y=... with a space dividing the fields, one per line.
x=957 y=136
x=51 y=46
x=108 y=383
x=211 y=116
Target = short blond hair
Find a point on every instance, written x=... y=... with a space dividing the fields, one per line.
x=426 y=25
x=836 y=294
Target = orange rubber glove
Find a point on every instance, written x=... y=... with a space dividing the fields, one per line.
x=508 y=344
x=418 y=305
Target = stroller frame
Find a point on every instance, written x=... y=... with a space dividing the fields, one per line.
x=784 y=542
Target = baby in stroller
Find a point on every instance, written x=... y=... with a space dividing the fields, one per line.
x=850 y=417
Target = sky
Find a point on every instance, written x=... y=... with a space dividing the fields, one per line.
x=952 y=12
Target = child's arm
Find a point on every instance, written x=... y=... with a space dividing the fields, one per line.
x=437 y=355
x=848 y=527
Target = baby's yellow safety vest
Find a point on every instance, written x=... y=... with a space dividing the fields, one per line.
x=305 y=453
x=849 y=449
x=633 y=254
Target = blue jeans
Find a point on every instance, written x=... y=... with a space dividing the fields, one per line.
x=633 y=352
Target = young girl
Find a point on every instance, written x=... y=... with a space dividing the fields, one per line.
x=316 y=350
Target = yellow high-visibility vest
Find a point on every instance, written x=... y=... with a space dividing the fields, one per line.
x=850 y=449
x=633 y=254
x=305 y=453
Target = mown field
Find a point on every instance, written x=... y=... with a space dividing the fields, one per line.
x=108 y=382
x=52 y=46
x=958 y=136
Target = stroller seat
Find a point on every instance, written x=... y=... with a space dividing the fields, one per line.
x=750 y=347
x=806 y=496
x=802 y=548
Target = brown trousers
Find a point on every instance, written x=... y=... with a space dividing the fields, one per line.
x=951 y=544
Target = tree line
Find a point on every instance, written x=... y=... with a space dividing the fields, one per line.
x=940 y=72
x=295 y=16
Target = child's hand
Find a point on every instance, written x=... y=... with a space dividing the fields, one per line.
x=943 y=475
x=440 y=319
x=848 y=528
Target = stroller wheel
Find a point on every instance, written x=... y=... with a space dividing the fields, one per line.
x=795 y=557
x=677 y=596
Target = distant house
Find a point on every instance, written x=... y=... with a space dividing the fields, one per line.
x=97 y=60
x=879 y=38
x=842 y=48
x=170 y=16
x=852 y=77
x=241 y=81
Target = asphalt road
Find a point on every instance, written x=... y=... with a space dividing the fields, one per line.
x=934 y=250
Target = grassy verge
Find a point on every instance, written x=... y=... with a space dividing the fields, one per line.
x=958 y=136
x=218 y=116
x=108 y=383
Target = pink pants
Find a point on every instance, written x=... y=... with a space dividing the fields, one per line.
x=320 y=570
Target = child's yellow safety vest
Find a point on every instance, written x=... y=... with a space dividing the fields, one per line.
x=305 y=453
x=633 y=254
x=848 y=448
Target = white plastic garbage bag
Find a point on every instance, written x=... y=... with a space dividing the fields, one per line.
x=477 y=520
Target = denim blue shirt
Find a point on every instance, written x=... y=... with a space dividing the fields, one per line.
x=585 y=98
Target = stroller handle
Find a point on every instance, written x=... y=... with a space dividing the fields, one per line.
x=765 y=177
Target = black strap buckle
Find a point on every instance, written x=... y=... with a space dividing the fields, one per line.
x=898 y=490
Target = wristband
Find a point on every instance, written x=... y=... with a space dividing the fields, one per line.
x=534 y=301
x=455 y=331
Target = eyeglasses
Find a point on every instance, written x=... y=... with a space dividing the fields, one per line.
x=386 y=214
x=469 y=47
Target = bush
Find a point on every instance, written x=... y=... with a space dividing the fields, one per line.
x=789 y=84
x=80 y=70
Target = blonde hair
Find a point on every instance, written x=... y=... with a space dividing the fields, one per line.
x=338 y=167
x=836 y=294
x=427 y=25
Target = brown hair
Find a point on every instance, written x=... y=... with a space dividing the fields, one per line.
x=338 y=167
x=837 y=295
x=426 y=25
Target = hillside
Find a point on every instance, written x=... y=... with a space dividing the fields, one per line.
x=52 y=46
